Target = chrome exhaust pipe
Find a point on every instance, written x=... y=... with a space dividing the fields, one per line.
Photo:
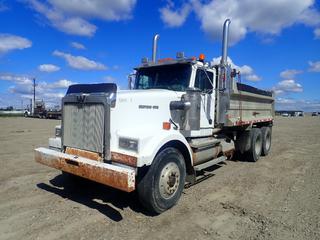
x=155 y=47
x=225 y=42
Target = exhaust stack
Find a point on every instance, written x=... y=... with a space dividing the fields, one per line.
x=155 y=47
x=225 y=42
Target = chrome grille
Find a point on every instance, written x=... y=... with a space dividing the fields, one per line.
x=83 y=126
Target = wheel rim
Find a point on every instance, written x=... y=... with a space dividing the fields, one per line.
x=268 y=141
x=258 y=145
x=169 y=180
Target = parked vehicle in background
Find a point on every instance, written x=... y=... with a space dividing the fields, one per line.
x=289 y=113
x=54 y=113
x=40 y=111
x=183 y=115
x=315 y=114
x=26 y=113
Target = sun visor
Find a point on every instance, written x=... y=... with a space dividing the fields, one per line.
x=92 y=88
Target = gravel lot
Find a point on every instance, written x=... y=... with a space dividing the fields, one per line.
x=276 y=198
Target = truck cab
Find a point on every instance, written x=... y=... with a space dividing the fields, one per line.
x=179 y=76
x=180 y=116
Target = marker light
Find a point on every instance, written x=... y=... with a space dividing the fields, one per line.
x=180 y=55
x=144 y=60
x=166 y=125
x=202 y=57
x=165 y=60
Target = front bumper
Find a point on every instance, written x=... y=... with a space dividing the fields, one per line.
x=115 y=176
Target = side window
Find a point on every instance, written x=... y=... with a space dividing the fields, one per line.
x=143 y=82
x=202 y=81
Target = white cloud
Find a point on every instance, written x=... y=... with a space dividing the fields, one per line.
x=51 y=93
x=263 y=17
x=20 y=79
x=285 y=100
x=297 y=104
x=10 y=42
x=314 y=66
x=71 y=25
x=48 y=68
x=78 y=45
x=3 y=7
x=115 y=67
x=253 y=77
x=174 y=18
x=72 y=16
x=63 y=83
x=54 y=95
x=99 y=9
x=42 y=88
x=310 y=16
x=80 y=62
x=290 y=73
x=287 y=86
x=317 y=33
x=110 y=79
x=22 y=89
x=246 y=71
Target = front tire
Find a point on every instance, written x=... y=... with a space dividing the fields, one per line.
x=161 y=187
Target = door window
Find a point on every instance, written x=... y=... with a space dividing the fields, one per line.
x=204 y=80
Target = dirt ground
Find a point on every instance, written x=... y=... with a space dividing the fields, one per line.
x=276 y=198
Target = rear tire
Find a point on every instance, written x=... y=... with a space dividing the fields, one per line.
x=161 y=187
x=253 y=154
x=266 y=140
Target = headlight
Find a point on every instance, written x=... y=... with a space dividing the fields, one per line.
x=58 y=131
x=129 y=144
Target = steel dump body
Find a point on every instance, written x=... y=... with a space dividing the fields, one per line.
x=249 y=105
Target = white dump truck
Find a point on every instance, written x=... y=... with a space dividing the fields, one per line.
x=180 y=117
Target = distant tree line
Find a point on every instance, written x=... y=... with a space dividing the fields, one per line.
x=10 y=108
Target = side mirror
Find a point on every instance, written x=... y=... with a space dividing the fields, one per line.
x=131 y=80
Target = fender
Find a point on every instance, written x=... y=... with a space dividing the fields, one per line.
x=158 y=140
x=152 y=141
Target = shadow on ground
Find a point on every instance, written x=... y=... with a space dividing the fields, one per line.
x=94 y=195
x=103 y=198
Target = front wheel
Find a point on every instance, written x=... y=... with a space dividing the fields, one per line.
x=161 y=187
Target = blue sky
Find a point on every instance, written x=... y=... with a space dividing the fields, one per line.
x=275 y=44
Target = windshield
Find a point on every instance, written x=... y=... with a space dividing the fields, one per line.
x=173 y=77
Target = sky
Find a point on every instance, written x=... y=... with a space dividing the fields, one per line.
x=275 y=44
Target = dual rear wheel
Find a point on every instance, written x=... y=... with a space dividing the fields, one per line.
x=260 y=143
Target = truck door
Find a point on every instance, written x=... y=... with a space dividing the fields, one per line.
x=204 y=80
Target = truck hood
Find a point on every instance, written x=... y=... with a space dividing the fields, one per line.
x=149 y=93
x=136 y=109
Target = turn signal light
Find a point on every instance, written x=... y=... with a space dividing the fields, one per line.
x=166 y=125
x=165 y=60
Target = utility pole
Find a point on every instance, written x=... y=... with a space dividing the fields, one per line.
x=34 y=95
